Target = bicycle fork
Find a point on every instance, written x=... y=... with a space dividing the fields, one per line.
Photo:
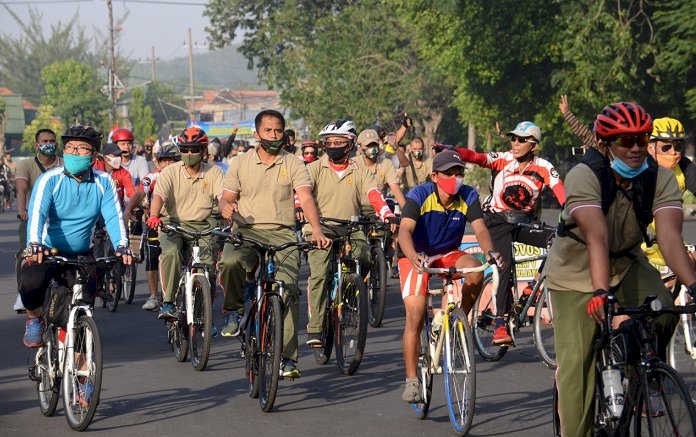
x=684 y=321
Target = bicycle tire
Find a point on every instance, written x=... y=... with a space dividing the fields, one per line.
x=179 y=331
x=460 y=372
x=128 y=276
x=270 y=350
x=543 y=329
x=323 y=354
x=677 y=418
x=350 y=331
x=252 y=360
x=113 y=287
x=679 y=356
x=425 y=376
x=47 y=389
x=377 y=289
x=200 y=332
x=88 y=345
x=483 y=317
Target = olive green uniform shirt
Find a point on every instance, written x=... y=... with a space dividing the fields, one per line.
x=567 y=266
x=384 y=174
x=266 y=192
x=188 y=199
x=423 y=172
x=28 y=169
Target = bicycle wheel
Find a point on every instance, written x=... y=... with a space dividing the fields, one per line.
x=543 y=328
x=483 y=318
x=425 y=377
x=113 y=287
x=47 y=388
x=664 y=407
x=82 y=384
x=460 y=372
x=251 y=355
x=128 y=282
x=270 y=349
x=377 y=286
x=323 y=354
x=682 y=352
x=200 y=332
x=351 y=324
x=179 y=327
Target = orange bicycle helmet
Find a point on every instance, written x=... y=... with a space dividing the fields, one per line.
x=192 y=136
x=623 y=118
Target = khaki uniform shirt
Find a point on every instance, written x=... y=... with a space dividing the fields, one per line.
x=567 y=266
x=266 y=192
x=384 y=174
x=188 y=199
x=339 y=196
x=423 y=172
x=28 y=169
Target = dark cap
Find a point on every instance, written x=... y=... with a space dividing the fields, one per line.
x=447 y=159
x=111 y=149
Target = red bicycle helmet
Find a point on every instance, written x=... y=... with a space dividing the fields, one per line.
x=623 y=118
x=192 y=136
x=122 y=134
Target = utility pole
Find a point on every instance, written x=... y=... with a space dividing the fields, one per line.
x=112 y=67
x=154 y=66
x=191 y=95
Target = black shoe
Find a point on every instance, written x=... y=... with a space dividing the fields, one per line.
x=314 y=340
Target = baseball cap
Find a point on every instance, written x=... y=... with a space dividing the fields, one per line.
x=527 y=129
x=447 y=159
x=368 y=136
x=111 y=149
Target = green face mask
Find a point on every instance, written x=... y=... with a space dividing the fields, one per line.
x=191 y=159
x=372 y=152
x=272 y=147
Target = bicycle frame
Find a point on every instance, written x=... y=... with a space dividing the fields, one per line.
x=682 y=300
x=191 y=271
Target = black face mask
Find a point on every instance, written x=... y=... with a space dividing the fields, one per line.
x=526 y=157
x=272 y=147
x=337 y=154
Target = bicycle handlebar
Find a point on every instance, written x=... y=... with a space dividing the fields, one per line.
x=537 y=227
x=240 y=240
x=191 y=233
x=80 y=261
x=451 y=271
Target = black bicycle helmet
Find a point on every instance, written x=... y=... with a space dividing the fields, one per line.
x=83 y=133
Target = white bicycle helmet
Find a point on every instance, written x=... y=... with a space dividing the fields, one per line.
x=339 y=128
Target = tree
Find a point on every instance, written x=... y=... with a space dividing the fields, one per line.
x=3 y=124
x=160 y=99
x=45 y=119
x=141 y=116
x=73 y=89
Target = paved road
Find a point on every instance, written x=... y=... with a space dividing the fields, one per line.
x=146 y=392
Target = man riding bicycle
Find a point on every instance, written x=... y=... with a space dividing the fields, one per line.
x=601 y=231
x=65 y=204
x=433 y=221
x=185 y=194
x=258 y=194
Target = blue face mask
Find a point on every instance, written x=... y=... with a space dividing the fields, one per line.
x=626 y=171
x=48 y=149
x=76 y=164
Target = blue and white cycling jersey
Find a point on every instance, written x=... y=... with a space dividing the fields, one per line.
x=63 y=211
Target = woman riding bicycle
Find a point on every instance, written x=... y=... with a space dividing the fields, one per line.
x=518 y=177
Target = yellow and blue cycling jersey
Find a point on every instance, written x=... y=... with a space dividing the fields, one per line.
x=438 y=229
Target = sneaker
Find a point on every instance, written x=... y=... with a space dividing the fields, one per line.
x=33 y=332
x=230 y=324
x=314 y=339
x=288 y=369
x=412 y=392
x=85 y=392
x=19 y=305
x=151 y=304
x=657 y=406
x=167 y=311
x=501 y=334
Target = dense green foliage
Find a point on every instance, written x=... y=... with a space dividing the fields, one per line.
x=141 y=114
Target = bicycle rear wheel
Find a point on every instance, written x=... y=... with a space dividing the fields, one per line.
x=460 y=372
x=543 y=328
x=113 y=287
x=47 y=388
x=425 y=377
x=200 y=332
x=82 y=384
x=377 y=286
x=128 y=281
x=251 y=355
x=351 y=324
x=664 y=407
x=483 y=318
x=682 y=352
x=179 y=328
x=271 y=347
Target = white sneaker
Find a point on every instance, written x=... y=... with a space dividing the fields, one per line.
x=18 y=305
x=151 y=304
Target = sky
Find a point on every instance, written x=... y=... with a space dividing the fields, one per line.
x=160 y=23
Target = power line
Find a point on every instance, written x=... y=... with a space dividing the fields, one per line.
x=29 y=2
x=164 y=2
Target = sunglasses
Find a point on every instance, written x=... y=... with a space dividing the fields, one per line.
x=336 y=143
x=190 y=149
x=521 y=140
x=678 y=147
x=629 y=141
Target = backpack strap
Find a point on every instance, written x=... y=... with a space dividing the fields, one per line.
x=643 y=196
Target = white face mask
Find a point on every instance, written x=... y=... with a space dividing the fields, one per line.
x=114 y=161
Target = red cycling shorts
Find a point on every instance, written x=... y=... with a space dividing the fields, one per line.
x=408 y=276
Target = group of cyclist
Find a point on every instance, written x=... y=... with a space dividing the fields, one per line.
x=633 y=172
